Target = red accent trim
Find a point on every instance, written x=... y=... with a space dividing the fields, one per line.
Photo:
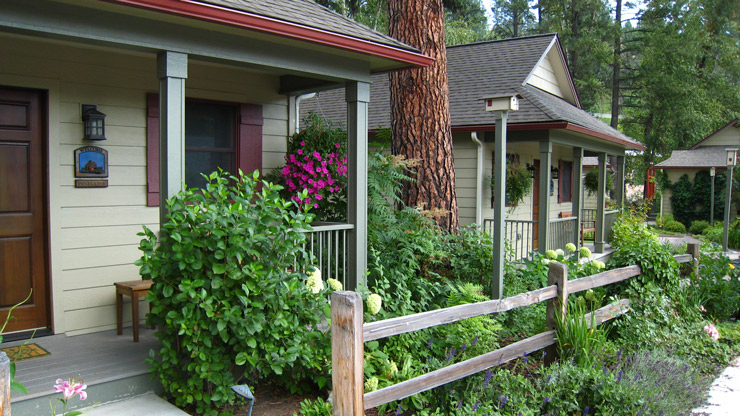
x=250 y=138
x=554 y=125
x=248 y=142
x=246 y=20
x=713 y=133
x=691 y=167
x=152 y=150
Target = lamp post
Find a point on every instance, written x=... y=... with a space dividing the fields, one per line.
x=731 y=160
x=712 y=173
x=501 y=105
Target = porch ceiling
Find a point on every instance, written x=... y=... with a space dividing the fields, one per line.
x=120 y=26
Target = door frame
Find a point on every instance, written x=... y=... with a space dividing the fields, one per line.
x=44 y=143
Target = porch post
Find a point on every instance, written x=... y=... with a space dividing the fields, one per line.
x=172 y=70
x=577 y=192
x=599 y=242
x=357 y=95
x=619 y=186
x=499 y=204
x=543 y=228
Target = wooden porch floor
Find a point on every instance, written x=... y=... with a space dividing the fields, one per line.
x=97 y=358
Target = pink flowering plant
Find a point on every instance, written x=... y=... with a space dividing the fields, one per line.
x=69 y=389
x=316 y=162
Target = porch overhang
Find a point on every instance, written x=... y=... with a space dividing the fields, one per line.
x=557 y=125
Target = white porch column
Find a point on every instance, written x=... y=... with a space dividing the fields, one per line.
x=172 y=69
x=543 y=227
x=619 y=189
x=599 y=237
x=577 y=192
x=357 y=95
x=499 y=204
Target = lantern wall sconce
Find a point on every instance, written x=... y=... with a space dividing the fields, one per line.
x=93 y=122
x=555 y=172
x=530 y=168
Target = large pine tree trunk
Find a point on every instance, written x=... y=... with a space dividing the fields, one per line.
x=420 y=110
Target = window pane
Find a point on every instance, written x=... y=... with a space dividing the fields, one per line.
x=209 y=125
x=205 y=162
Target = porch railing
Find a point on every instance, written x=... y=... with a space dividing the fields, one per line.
x=518 y=233
x=562 y=232
x=327 y=246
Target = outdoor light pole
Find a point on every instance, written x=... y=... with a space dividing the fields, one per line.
x=712 y=173
x=731 y=156
x=501 y=105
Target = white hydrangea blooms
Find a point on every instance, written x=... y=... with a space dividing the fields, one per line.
x=334 y=284
x=560 y=252
x=570 y=247
x=371 y=384
x=584 y=252
x=314 y=282
x=598 y=264
x=551 y=254
x=374 y=302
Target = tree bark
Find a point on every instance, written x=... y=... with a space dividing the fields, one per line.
x=420 y=110
x=617 y=65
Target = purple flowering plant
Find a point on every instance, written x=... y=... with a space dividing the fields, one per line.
x=316 y=161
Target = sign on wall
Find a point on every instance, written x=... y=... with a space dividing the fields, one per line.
x=91 y=162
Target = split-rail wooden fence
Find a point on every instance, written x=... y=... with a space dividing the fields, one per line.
x=349 y=334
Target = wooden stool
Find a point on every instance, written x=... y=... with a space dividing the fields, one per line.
x=135 y=289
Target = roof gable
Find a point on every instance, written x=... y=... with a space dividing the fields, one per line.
x=551 y=74
x=727 y=135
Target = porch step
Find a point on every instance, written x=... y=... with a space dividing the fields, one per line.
x=146 y=404
x=114 y=397
x=112 y=367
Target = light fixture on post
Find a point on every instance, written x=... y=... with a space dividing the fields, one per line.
x=94 y=122
x=712 y=173
x=555 y=172
x=500 y=105
x=731 y=161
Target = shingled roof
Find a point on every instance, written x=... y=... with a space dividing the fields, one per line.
x=700 y=158
x=475 y=71
x=311 y=14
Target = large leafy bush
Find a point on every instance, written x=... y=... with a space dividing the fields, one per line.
x=226 y=300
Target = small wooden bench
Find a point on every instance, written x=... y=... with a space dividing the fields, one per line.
x=135 y=289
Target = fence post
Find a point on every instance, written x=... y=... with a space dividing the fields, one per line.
x=4 y=384
x=693 y=249
x=347 y=353
x=557 y=275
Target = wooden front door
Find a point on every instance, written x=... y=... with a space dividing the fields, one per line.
x=23 y=236
x=536 y=205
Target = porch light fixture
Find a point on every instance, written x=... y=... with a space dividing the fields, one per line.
x=555 y=172
x=94 y=122
x=530 y=168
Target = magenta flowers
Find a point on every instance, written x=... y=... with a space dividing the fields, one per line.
x=316 y=163
x=71 y=388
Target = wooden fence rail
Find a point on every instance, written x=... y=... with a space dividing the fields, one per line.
x=349 y=334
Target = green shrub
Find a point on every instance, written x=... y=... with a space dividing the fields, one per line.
x=675 y=227
x=226 y=300
x=717 y=286
x=660 y=220
x=630 y=227
x=317 y=407
x=578 y=338
x=697 y=227
x=655 y=259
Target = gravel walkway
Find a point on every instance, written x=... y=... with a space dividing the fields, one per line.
x=724 y=395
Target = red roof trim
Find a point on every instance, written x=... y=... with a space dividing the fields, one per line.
x=549 y=126
x=689 y=167
x=216 y=14
x=713 y=133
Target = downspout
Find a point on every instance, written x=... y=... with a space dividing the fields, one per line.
x=478 y=180
x=298 y=100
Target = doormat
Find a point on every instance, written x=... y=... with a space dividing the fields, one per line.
x=25 y=352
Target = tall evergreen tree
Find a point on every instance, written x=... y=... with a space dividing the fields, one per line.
x=420 y=110
x=512 y=18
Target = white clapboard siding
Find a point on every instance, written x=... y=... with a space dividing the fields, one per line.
x=98 y=276
x=99 y=256
x=545 y=79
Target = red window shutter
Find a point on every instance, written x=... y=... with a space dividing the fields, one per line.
x=249 y=143
x=152 y=150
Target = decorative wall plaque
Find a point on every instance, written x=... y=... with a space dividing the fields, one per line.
x=91 y=162
x=101 y=183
